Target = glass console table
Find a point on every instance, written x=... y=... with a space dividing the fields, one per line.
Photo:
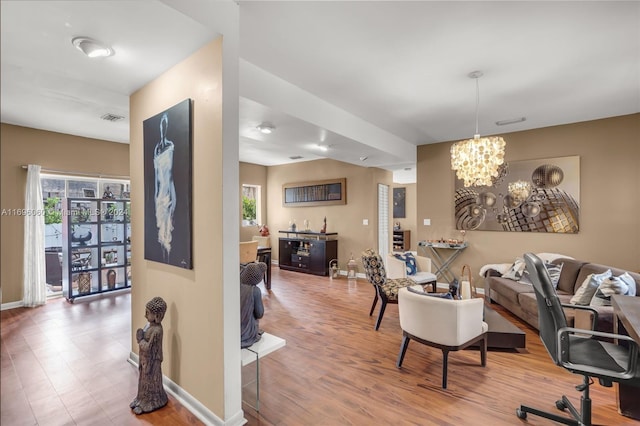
x=267 y=344
x=442 y=256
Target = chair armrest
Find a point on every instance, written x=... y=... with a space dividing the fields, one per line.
x=492 y=273
x=594 y=319
x=562 y=354
x=396 y=268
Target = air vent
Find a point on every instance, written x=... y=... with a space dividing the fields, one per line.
x=112 y=117
x=296 y=157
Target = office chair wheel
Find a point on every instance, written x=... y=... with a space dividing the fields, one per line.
x=521 y=414
x=560 y=405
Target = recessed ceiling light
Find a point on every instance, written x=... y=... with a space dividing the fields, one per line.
x=363 y=158
x=511 y=121
x=323 y=147
x=296 y=157
x=266 y=128
x=92 y=48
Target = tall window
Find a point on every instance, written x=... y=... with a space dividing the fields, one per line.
x=251 y=211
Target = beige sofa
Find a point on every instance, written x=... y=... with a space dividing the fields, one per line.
x=520 y=299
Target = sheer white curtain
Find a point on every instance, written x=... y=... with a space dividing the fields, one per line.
x=34 y=275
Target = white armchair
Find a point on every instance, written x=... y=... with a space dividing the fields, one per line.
x=396 y=268
x=446 y=324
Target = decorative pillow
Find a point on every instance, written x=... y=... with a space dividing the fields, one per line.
x=609 y=287
x=553 y=270
x=424 y=293
x=588 y=288
x=409 y=260
x=630 y=282
x=554 y=273
x=516 y=270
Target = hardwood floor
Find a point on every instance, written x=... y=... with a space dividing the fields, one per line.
x=66 y=364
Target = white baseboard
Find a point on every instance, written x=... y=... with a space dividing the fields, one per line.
x=11 y=305
x=192 y=404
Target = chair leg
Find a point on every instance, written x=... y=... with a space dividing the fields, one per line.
x=445 y=362
x=403 y=349
x=434 y=285
x=483 y=351
x=381 y=313
x=375 y=300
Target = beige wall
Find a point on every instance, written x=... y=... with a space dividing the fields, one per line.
x=54 y=151
x=194 y=338
x=253 y=174
x=346 y=220
x=609 y=234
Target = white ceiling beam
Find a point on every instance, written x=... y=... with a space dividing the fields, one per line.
x=269 y=90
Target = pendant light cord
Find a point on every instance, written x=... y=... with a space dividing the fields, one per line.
x=477 y=104
x=476 y=75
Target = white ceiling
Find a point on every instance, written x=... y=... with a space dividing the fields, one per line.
x=367 y=79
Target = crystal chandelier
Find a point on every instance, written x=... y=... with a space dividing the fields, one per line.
x=476 y=161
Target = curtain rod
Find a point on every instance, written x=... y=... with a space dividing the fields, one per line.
x=91 y=175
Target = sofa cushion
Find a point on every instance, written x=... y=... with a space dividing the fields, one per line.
x=570 y=270
x=509 y=289
x=584 y=319
x=423 y=277
x=529 y=305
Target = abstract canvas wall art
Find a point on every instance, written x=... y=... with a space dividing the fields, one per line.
x=399 y=196
x=167 y=186
x=527 y=196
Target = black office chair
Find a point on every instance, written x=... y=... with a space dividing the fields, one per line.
x=575 y=350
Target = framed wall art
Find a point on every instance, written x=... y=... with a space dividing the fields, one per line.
x=527 y=196
x=315 y=193
x=167 y=186
x=399 y=196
